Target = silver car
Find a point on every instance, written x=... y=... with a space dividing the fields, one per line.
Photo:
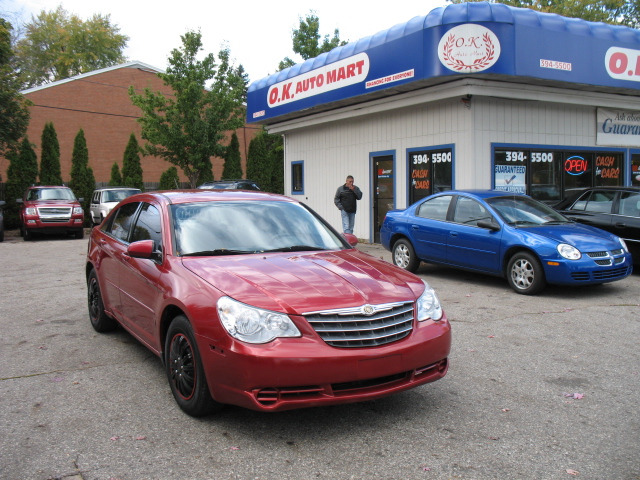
x=104 y=199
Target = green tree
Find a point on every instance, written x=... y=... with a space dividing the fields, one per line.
x=116 y=176
x=131 y=167
x=307 y=42
x=616 y=12
x=14 y=115
x=82 y=181
x=232 y=160
x=59 y=45
x=265 y=162
x=50 y=157
x=169 y=179
x=187 y=129
x=22 y=173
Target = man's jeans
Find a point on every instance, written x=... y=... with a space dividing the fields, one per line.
x=348 y=220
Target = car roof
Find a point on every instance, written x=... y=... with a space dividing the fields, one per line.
x=483 y=194
x=631 y=188
x=198 y=195
x=116 y=188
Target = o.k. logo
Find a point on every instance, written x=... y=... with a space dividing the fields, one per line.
x=469 y=48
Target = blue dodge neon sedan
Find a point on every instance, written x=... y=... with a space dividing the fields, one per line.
x=504 y=234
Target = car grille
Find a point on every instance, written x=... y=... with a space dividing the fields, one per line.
x=608 y=274
x=352 y=327
x=606 y=259
x=54 y=214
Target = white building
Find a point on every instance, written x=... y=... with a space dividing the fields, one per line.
x=473 y=95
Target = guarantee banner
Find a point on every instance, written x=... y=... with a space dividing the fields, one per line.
x=620 y=128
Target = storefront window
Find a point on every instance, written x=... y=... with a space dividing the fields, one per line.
x=635 y=169
x=430 y=171
x=609 y=170
x=577 y=171
x=547 y=175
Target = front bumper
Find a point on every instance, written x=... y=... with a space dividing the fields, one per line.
x=306 y=372
x=588 y=270
x=37 y=224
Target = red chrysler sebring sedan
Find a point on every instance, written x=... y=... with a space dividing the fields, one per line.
x=252 y=299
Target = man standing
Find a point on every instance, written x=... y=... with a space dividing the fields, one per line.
x=345 y=200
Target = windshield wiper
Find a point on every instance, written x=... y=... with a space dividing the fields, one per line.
x=217 y=252
x=294 y=248
x=555 y=222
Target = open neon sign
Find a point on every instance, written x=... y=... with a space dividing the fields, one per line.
x=576 y=165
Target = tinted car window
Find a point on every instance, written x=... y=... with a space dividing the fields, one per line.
x=436 y=208
x=469 y=212
x=148 y=226
x=630 y=204
x=122 y=221
x=600 y=202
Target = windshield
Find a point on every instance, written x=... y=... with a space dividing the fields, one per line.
x=51 y=194
x=519 y=210
x=227 y=228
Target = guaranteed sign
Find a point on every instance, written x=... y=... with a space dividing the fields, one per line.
x=336 y=75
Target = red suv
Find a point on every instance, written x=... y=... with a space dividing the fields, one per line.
x=50 y=209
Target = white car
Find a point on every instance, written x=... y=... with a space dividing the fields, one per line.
x=104 y=199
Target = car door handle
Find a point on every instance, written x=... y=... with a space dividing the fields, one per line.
x=453 y=234
x=621 y=225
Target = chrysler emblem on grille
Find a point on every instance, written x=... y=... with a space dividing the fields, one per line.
x=367 y=310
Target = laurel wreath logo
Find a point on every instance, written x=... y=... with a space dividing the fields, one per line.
x=478 y=64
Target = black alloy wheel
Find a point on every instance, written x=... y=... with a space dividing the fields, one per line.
x=100 y=321
x=185 y=372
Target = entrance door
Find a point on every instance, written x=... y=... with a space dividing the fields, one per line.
x=383 y=191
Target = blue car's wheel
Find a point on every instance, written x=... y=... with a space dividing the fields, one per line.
x=404 y=256
x=525 y=274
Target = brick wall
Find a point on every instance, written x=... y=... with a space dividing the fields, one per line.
x=100 y=105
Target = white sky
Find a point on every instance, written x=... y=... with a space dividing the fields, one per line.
x=258 y=33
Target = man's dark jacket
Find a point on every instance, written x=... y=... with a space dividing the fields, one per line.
x=346 y=198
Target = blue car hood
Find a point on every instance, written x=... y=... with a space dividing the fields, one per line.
x=584 y=237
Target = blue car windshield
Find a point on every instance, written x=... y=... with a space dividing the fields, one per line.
x=240 y=227
x=525 y=211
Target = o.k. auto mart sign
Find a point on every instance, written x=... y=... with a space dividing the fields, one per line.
x=620 y=128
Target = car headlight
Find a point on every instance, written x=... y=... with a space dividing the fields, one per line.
x=254 y=325
x=77 y=210
x=569 y=251
x=624 y=244
x=429 y=305
x=30 y=211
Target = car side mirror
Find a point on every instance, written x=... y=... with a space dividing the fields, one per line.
x=351 y=239
x=490 y=224
x=142 y=249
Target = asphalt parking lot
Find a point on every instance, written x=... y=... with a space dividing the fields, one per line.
x=543 y=387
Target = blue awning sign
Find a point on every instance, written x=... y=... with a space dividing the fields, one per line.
x=491 y=40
